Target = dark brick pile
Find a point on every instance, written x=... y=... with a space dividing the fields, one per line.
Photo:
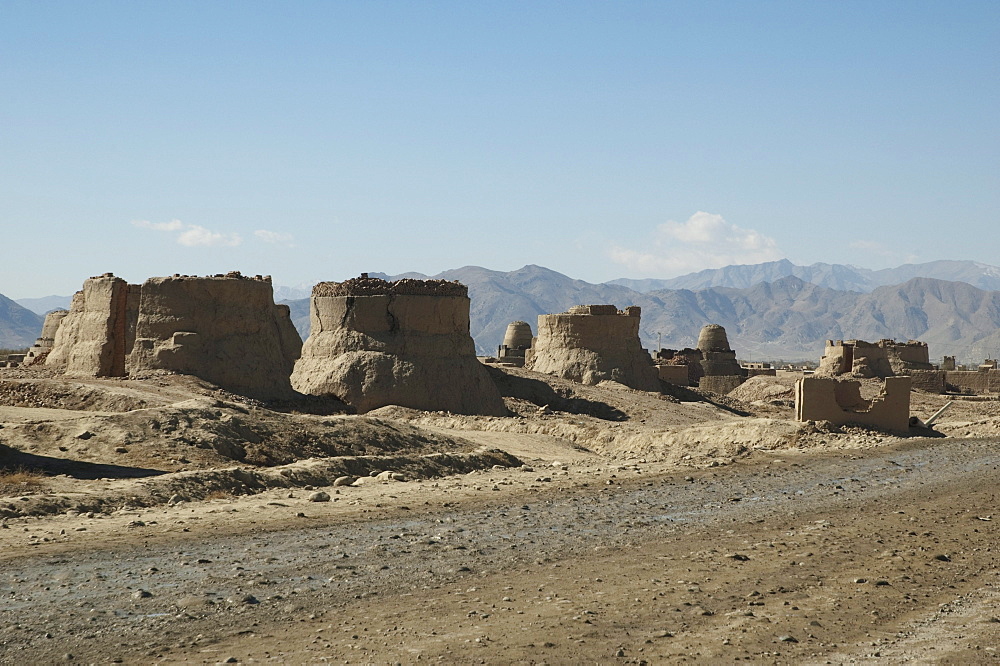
x=367 y=286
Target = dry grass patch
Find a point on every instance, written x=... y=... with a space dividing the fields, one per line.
x=20 y=480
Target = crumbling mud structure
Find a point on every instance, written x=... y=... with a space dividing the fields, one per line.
x=593 y=343
x=91 y=339
x=885 y=358
x=839 y=401
x=374 y=343
x=225 y=329
x=516 y=341
x=43 y=344
x=721 y=372
x=679 y=366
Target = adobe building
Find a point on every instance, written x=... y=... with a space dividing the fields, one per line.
x=43 y=344
x=721 y=372
x=374 y=343
x=839 y=401
x=679 y=366
x=225 y=329
x=90 y=340
x=516 y=341
x=885 y=358
x=593 y=343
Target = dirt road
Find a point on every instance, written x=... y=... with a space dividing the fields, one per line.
x=886 y=555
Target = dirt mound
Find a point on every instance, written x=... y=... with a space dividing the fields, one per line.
x=66 y=395
x=202 y=432
x=763 y=389
x=201 y=484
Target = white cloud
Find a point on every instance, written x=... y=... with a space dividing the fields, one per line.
x=196 y=235
x=192 y=235
x=274 y=237
x=704 y=241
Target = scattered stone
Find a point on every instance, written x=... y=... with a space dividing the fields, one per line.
x=942 y=558
x=142 y=594
x=319 y=496
x=788 y=639
x=344 y=480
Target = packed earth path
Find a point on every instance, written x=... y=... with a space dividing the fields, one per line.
x=881 y=555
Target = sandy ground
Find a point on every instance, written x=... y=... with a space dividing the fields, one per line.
x=615 y=527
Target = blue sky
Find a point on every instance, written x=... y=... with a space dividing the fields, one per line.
x=315 y=140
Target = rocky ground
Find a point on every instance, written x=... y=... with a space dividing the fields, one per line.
x=178 y=524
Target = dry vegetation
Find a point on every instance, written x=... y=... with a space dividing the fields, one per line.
x=18 y=481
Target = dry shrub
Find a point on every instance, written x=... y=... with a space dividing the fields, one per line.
x=20 y=480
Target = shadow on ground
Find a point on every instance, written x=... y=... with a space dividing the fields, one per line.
x=12 y=459
x=539 y=393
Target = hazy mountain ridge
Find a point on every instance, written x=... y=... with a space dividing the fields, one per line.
x=19 y=326
x=787 y=318
x=841 y=277
x=45 y=304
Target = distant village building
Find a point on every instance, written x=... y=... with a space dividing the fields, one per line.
x=885 y=358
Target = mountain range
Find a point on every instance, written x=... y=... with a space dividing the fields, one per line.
x=784 y=318
x=19 y=326
x=775 y=310
x=835 y=276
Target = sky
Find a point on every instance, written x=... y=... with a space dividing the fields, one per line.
x=316 y=140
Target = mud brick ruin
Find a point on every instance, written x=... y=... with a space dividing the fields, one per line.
x=38 y=352
x=225 y=329
x=593 y=343
x=516 y=341
x=91 y=339
x=711 y=367
x=679 y=366
x=839 y=401
x=885 y=358
x=374 y=343
x=721 y=372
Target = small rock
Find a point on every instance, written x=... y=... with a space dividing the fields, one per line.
x=121 y=449
x=344 y=480
x=142 y=594
x=942 y=558
x=319 y=496
x=860 y=580
x=788 y=639
x=739 y=557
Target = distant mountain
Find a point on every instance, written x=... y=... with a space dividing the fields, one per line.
x=787 y=318
x=834 y=276
x=19 y=326
x=45 y=304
